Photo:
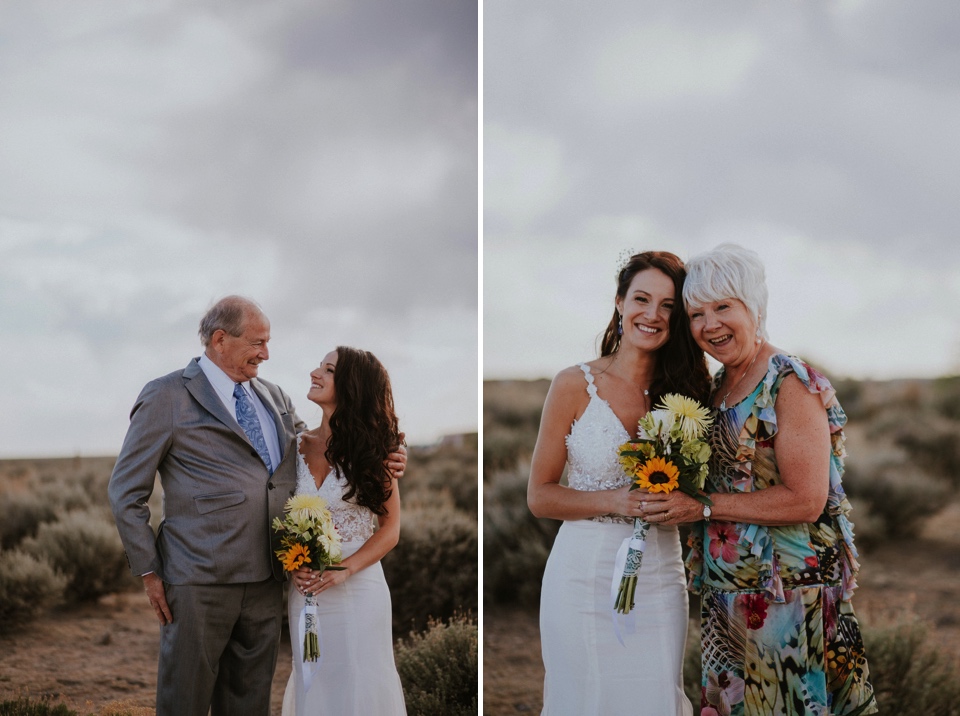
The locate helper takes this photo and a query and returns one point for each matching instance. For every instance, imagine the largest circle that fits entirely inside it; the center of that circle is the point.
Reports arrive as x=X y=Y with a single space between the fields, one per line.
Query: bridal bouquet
x=309 y=539
x=669 y=454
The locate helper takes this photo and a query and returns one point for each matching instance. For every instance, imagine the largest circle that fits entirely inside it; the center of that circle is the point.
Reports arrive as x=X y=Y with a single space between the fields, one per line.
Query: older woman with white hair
x=773 y=557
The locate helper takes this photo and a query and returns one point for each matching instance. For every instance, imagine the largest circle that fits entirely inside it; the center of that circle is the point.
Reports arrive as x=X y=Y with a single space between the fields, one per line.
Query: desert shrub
x=42 y=499
x=869 y=529
x=515 y=543
x=432 y=572
x=124 y=708
x=446 y=469
x=27 y=707
x=947 y=392
x=84 y=546
x=439 y=669
x=514 y=404
x=897 y=497
x=21 y=514
x=850 y=393
x=503 y=450
x=691 y=665
x=28 y=585
x=935 y=449
x=910 y=676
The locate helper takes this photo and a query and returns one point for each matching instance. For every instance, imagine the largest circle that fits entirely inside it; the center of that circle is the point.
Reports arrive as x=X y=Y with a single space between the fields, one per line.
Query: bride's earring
x=620 y=326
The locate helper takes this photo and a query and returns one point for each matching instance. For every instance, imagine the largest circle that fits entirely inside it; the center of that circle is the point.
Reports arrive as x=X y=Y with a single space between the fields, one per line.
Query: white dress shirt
x=223 y=385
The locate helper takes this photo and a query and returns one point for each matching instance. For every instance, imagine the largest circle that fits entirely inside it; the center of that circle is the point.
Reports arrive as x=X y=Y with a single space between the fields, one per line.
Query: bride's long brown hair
x=363 y=428
x=681 y=364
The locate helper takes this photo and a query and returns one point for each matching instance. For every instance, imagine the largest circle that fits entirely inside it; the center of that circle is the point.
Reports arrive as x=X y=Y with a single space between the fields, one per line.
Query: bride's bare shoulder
x=571 y=381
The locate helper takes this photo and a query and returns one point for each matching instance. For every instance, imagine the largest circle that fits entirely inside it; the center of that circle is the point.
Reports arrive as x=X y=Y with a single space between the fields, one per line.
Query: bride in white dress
x=343 y=462
x=646 y=352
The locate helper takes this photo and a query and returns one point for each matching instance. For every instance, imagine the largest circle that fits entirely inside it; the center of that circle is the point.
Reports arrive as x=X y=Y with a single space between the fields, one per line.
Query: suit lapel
x=199 y=387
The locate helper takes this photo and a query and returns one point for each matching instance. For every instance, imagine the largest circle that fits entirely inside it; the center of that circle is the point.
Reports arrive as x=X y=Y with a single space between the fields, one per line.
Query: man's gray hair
x=229 y=314
x=727 y=271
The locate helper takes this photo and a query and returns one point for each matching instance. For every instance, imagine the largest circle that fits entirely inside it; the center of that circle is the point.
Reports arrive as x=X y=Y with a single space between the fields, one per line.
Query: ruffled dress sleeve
x=761 y=423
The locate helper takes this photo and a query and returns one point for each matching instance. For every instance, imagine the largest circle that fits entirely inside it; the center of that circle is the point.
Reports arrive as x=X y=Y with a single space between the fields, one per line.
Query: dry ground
x=95 y=655
x=920 y=577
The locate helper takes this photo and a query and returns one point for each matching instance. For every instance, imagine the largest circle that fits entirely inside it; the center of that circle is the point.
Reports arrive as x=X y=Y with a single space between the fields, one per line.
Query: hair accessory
x=623 y=258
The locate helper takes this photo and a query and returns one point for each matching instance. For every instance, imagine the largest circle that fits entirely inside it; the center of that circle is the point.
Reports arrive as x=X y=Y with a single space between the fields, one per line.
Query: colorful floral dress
x=779 y=635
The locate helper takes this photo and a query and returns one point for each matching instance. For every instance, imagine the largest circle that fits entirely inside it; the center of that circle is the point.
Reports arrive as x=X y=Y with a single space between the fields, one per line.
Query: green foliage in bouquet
x=670 y=452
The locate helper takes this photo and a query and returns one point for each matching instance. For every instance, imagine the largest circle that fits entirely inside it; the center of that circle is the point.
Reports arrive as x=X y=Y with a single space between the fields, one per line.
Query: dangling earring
x=758 y=329
x=620 y=326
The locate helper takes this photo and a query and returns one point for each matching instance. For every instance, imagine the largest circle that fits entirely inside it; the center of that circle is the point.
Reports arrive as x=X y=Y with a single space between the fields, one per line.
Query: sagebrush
x=439 y=669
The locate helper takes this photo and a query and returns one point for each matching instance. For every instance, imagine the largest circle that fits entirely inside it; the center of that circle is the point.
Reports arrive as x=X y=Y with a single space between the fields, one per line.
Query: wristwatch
x=707 y=512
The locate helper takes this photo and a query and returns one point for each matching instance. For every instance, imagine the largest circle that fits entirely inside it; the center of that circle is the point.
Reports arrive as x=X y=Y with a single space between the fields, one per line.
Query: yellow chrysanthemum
x=305 y=502
x=295 y=557
x=658 y=475
x=304 y=507
x=694 y=418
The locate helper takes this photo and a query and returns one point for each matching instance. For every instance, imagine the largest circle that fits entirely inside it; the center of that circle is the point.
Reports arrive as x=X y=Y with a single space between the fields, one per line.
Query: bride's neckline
x=303 y=457
x=595 y=393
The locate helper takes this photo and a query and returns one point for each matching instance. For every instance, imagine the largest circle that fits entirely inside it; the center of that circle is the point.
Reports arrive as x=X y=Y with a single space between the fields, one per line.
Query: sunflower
x=694 y=418
x=658 y=475
x=295 y=557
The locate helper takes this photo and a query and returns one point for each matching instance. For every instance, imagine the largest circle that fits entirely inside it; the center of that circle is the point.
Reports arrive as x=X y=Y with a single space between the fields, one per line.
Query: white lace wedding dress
x=356 y=673
x=588 y=671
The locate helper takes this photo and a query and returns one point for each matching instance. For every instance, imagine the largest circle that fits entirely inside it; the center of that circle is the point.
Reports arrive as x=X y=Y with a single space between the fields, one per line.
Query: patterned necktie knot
x=247 y=417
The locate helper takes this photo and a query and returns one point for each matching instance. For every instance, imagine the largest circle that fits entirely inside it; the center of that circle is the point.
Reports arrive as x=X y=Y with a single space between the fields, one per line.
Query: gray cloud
x=821 y=134
x=321 y=158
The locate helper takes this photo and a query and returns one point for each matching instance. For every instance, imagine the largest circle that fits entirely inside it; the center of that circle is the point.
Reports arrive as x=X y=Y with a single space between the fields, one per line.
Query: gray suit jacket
x=219 y=499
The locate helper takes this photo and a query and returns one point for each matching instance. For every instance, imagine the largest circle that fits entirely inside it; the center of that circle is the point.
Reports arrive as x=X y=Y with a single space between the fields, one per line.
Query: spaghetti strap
x=591 y=388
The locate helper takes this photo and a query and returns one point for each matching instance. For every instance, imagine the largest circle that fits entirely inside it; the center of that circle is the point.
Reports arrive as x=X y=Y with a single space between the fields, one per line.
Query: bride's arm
x=373 y=550
x=546 y=497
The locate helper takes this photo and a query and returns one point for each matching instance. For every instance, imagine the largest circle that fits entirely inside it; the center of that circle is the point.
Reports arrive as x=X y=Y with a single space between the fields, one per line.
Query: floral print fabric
x=779 y=635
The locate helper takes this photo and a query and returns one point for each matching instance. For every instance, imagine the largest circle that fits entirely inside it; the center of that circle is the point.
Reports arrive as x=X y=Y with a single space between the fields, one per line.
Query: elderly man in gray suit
x=223 y=441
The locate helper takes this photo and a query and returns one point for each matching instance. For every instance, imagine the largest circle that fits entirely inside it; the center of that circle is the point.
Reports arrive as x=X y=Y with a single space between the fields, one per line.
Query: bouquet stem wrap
x=311 y=638
x=625 y=570
x=669 y=453
x=308 y=538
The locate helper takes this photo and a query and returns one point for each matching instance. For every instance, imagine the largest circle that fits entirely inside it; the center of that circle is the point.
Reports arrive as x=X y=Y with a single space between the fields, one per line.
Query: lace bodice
x=353 y=522
x=592 y=448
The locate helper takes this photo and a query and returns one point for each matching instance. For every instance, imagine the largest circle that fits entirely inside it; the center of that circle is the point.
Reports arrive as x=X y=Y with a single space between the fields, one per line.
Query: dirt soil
x=916 y=578
x=97 y=656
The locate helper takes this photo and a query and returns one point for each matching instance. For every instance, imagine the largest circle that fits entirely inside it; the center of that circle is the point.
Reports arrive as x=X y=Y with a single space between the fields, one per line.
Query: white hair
x=229 y=313
x=727 y=271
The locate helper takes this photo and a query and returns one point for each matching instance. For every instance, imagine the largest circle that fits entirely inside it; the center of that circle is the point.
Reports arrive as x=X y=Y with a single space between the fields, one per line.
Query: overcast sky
x=320 y=157
x=823 y=135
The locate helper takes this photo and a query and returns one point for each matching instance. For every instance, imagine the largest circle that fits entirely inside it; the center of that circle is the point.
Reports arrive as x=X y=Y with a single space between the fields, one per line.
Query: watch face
x=707 y=512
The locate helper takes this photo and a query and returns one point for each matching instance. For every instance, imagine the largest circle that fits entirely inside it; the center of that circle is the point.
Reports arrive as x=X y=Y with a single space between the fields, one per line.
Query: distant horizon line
x=446 y=438
x=830 y=375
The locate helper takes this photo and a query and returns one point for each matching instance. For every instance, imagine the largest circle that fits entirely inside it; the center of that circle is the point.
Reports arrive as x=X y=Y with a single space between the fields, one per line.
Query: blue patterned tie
x=247 y=417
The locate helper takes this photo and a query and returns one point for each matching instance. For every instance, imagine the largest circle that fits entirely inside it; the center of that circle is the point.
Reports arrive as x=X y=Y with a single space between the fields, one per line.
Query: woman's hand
x=627 y=502
x=674 y=508
x=397 y=460
x=304 y=579
x=310 y=582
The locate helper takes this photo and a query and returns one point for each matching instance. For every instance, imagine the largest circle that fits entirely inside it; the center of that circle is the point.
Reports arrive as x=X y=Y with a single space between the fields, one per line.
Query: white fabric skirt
x=357 y=673
x=588 y=671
